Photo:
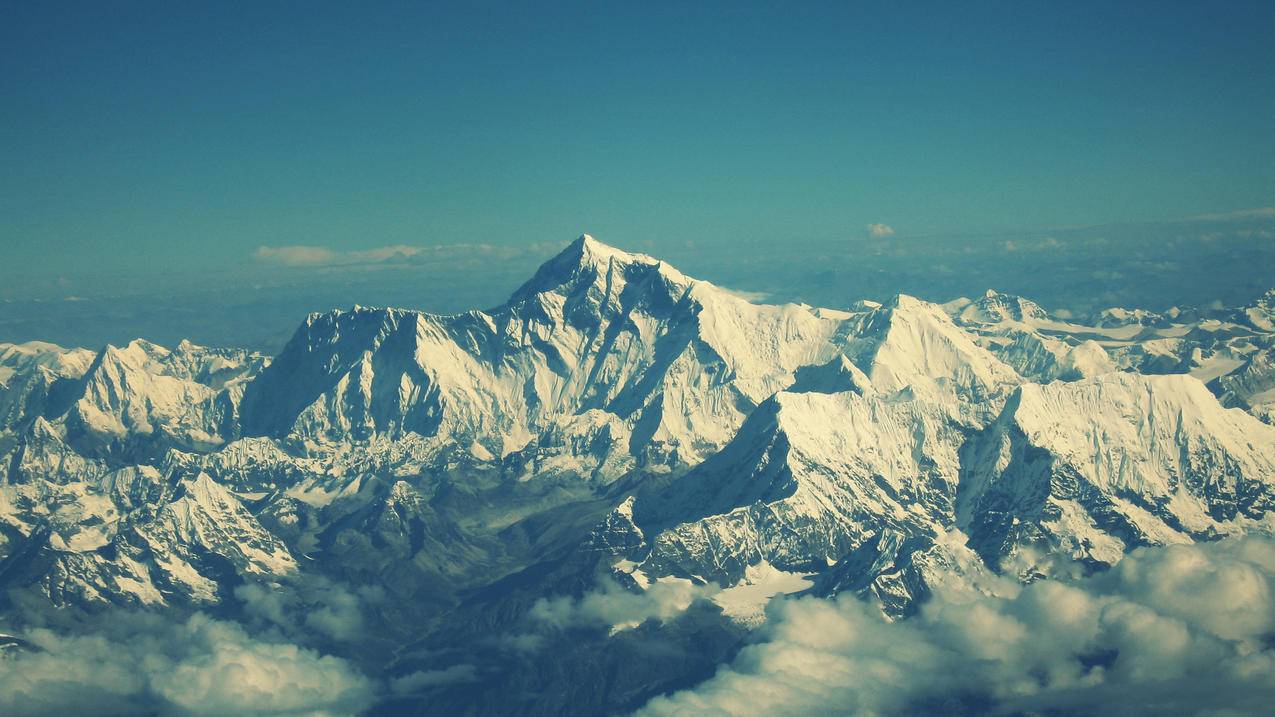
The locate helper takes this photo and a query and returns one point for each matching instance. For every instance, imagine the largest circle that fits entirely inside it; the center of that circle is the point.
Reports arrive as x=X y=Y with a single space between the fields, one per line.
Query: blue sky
x=168 y=136
x=272 y=158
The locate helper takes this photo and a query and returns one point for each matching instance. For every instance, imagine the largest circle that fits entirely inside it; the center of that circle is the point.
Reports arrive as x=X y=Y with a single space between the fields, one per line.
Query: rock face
x=617 y=418
x=1251 y=386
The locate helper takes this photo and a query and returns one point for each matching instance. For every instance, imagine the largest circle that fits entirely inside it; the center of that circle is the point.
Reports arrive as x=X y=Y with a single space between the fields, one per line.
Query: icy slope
x=35 y=377
x=901 y=494
x=911 y=343
x=1094 y=467
x=806 y=480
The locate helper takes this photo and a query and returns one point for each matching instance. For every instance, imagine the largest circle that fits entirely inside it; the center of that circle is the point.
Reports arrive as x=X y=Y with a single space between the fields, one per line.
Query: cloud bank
x=142 y=664
x=1178 y=630
x=311 y=256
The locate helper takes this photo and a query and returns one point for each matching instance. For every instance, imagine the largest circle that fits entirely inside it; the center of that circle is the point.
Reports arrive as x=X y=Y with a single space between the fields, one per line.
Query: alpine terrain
x=587 y=497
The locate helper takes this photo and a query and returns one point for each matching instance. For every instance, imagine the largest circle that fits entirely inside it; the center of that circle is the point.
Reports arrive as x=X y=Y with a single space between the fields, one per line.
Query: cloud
x=880 y=231
x=308 y=256
x=142 y=664
x=312 y=604
x=1243 y=214
x=1032 y=244
x=297 y=255
x=1174 y=630
x=425 y=680
x=752 y=297
x=302 y=255
x=230 y=674
x=620 y=608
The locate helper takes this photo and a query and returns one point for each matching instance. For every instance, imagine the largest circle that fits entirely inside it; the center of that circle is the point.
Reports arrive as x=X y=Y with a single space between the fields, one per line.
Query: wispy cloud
x=306 y=255
x=310 y=605
x=1243 y=214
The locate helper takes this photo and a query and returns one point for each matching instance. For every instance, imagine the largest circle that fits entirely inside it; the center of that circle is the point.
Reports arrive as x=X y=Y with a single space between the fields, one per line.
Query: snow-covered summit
x=994 y=307
x=587 y=260
x=595 y=328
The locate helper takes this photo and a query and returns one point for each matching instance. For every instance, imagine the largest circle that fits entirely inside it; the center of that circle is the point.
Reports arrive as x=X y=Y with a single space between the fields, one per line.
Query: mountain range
x=487 y=488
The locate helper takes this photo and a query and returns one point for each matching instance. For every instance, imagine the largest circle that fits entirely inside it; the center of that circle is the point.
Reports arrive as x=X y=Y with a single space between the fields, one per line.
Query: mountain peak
x=591 y=260
x=587 y=250
x=995 y=308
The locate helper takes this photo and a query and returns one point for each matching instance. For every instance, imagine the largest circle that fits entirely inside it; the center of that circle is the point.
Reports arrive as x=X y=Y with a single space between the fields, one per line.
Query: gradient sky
x=151 y=138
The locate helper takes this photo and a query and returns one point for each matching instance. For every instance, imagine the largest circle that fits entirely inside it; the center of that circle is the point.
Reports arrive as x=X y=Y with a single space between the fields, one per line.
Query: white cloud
x=230 y=674
x=619 y=608
x=303 y=256
x=752 y=297
x=878 y=230
x=297 y=255
x=140 y=664
x=309 y=605
x=1032 y=244
x=1171 y=630
x=1257 y=213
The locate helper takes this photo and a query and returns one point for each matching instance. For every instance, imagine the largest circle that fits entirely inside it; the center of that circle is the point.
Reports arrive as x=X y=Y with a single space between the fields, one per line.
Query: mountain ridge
x=618 y=428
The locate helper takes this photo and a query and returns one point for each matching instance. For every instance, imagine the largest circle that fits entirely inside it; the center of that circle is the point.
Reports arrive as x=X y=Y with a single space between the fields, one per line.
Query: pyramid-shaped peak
x=591 y=260
x=586 y=249
x=906 y=302
x=996 y=307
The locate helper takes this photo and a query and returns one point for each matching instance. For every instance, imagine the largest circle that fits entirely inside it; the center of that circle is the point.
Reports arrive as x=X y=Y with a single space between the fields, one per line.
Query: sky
x=165 y=146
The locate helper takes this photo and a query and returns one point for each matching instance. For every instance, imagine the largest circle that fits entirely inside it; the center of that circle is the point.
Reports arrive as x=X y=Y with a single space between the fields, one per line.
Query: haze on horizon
x=218 y=172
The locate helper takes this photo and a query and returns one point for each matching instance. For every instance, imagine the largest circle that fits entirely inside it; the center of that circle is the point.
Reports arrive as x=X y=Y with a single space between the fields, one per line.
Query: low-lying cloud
x=614 y=606
x=425 y=680
x=1178 y=630
x=309 y=606
x=144 y=664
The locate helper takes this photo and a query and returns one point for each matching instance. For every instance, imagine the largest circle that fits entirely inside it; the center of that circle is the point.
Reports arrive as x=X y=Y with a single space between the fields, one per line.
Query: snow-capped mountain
x=680 y=362
x=618 y=421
